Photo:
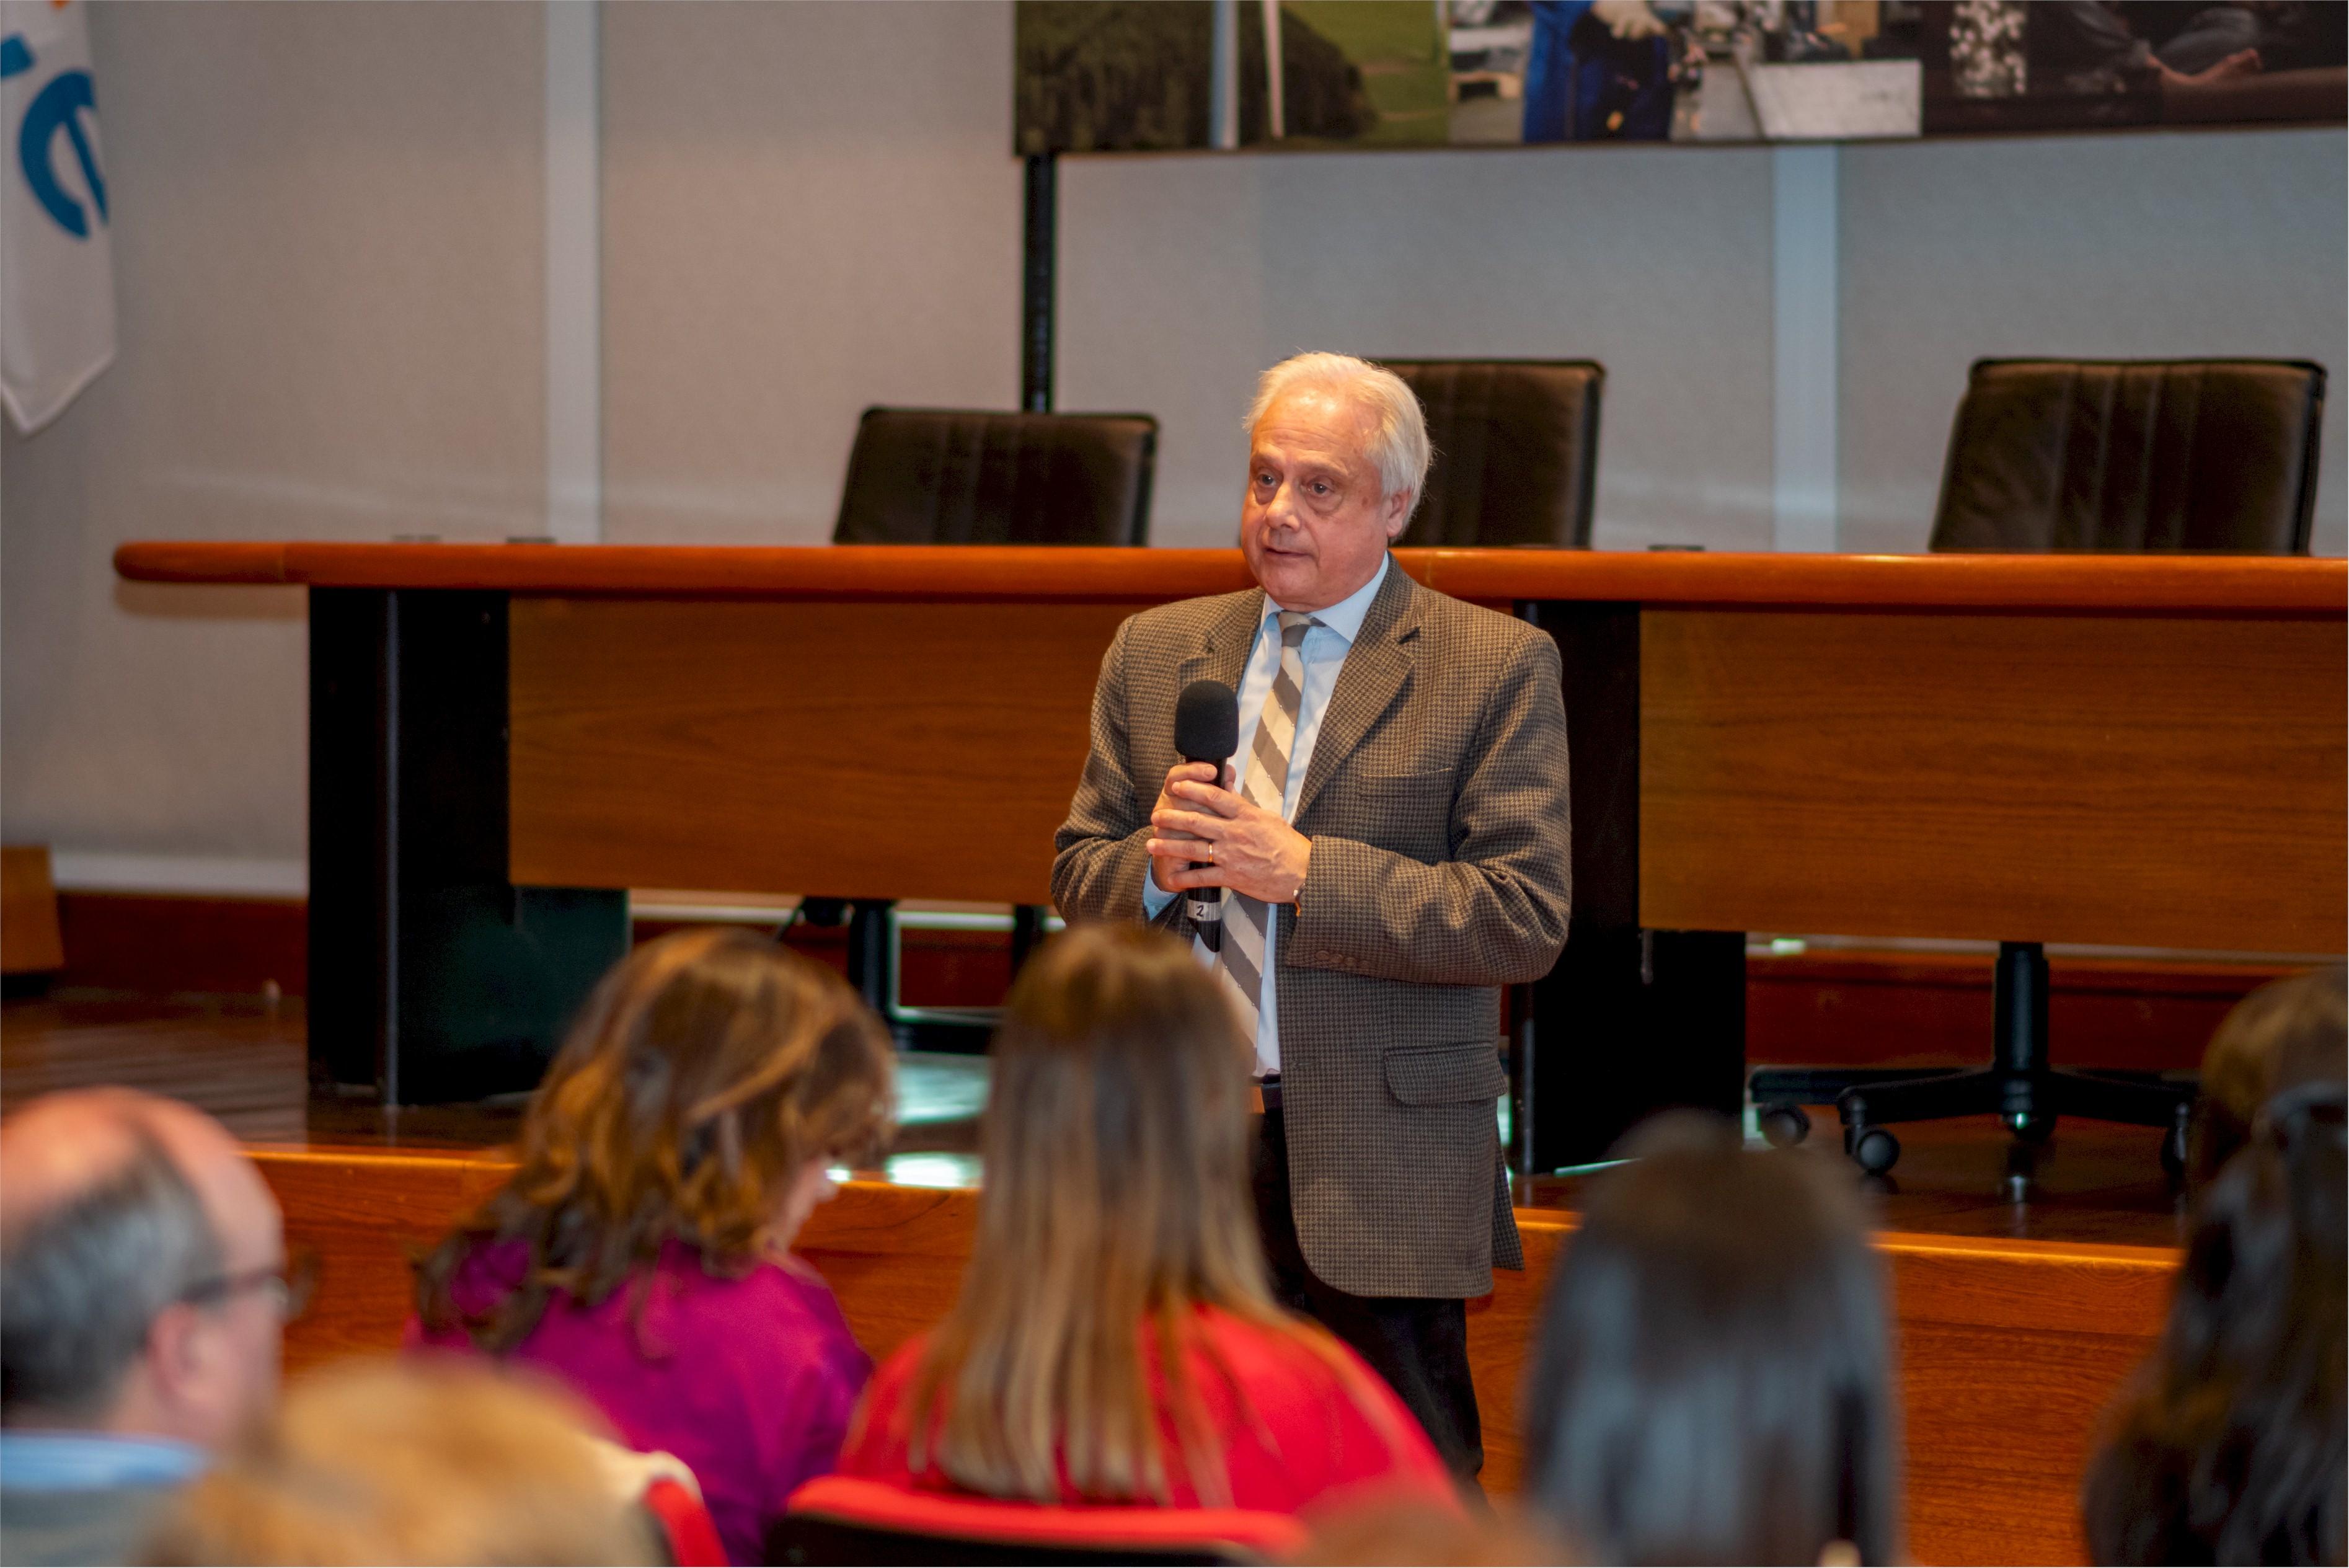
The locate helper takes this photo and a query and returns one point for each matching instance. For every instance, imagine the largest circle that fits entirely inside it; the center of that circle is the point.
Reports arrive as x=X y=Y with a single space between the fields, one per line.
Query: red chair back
x=843 y=1519
x=684 y=1525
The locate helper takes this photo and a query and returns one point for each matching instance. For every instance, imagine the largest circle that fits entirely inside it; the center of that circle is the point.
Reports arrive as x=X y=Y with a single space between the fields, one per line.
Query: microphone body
x=1208 y=729
x=1207 y=916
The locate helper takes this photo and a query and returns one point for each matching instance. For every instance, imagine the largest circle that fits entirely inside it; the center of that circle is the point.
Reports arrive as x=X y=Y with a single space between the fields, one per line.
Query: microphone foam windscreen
x=1208 y=720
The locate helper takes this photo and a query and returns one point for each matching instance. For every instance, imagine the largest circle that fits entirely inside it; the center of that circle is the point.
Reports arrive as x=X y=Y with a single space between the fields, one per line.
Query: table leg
x=1629 y=1021
x=432 y=978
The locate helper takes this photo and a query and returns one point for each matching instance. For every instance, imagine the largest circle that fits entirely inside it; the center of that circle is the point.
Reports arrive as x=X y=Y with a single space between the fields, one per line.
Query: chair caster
x=1783 y=1125
x=1875 y=1148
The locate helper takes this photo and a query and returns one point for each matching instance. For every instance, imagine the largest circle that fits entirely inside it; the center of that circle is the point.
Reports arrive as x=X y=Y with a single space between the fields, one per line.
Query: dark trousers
x=1419 y=1345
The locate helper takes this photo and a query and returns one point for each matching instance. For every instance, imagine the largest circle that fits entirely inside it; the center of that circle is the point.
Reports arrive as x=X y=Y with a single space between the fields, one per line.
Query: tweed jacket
x=1436 y=801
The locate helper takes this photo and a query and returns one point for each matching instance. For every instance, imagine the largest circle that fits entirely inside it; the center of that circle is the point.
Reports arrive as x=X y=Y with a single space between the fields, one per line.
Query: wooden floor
x=2018 y=1314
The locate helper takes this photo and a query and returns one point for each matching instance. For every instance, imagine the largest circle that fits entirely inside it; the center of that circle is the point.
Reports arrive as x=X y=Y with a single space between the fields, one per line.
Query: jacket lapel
x=1223 y=653
x=1369 y=681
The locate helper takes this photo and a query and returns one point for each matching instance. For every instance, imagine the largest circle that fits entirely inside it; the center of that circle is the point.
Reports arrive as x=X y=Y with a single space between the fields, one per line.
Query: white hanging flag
x=57 y=261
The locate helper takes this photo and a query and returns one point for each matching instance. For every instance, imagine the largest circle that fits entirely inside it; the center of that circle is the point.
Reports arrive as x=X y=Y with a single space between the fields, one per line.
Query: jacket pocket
x=1409 y=814
x=1446 y=1074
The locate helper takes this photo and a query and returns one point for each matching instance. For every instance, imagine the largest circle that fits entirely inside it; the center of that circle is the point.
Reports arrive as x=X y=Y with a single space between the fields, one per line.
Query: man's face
x=1314 y=527
x=224 y=1369
x=249 y=1326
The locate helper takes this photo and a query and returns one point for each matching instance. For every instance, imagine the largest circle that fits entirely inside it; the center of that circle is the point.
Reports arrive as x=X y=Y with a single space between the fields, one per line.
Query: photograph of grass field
x=1140 y=76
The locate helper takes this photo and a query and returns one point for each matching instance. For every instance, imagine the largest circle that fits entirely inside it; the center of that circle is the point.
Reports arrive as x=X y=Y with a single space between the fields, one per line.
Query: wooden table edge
x=2118 y=584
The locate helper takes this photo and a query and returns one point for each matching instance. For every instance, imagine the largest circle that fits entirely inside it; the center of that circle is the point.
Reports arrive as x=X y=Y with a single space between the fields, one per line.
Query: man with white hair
x=143 y=1297
x=1389 y=847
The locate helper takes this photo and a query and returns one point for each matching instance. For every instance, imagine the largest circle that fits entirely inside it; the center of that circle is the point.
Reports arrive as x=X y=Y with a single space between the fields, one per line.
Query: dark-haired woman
x=1115 y=1340
x=2232 y=1444
x=640 y=1252
x=1713 y=1381
x=2289 y=1031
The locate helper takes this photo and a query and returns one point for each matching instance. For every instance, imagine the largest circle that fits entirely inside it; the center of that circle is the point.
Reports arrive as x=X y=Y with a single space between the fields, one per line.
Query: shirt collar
x=1345 y=616
x=33 y=1460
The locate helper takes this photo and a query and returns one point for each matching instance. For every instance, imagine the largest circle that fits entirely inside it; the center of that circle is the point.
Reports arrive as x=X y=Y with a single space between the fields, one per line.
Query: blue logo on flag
x=56 y=108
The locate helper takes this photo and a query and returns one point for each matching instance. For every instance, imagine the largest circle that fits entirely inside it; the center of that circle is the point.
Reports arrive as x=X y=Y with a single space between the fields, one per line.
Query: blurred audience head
x=2232 y=1446
x=2288 y=1030
x=1371 y=1534
x=709 y=1085
x=1116 y=1148
x=1713 y=1381
x=420 y=1460
x=142 y=1271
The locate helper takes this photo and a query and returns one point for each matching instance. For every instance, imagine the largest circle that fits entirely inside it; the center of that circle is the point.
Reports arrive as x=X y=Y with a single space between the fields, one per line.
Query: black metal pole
x=1039 y=262
x=1026 y=932
x=1038 y=268
x=871 y=933
x=2019 y=992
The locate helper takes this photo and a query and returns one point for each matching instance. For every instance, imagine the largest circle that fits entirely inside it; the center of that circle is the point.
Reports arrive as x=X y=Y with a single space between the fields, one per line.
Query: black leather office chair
x=2086 y=455
x=2134 y=454
x=978 y=476
x=966 y=476
x=1516 y=450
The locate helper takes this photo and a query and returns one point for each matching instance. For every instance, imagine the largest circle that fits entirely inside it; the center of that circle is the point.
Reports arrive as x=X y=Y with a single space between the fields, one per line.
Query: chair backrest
x=1516 y=450
x=2133 y=454
x=968 y=476
x=665 y=1490
x=848 y=1519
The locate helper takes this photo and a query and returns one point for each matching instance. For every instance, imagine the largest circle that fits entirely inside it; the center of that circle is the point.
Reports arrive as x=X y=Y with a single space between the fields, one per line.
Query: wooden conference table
x=2136 y=751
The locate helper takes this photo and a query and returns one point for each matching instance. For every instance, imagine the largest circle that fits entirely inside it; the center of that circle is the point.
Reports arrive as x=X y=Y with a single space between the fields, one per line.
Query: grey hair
x=80 y=1284
x=1399 y=446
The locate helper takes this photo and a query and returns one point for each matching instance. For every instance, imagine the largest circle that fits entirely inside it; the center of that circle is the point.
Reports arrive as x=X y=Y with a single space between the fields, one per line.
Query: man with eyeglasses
x=143 y=1298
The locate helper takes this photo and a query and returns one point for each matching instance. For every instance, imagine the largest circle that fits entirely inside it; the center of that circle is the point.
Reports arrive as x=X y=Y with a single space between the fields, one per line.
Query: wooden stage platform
x=2017 y=1318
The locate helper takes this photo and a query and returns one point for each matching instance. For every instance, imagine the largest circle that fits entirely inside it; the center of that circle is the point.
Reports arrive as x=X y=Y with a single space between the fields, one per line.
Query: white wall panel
x=808 y=209
x=1183 y=276
x=2143 y=246
x=326 y=222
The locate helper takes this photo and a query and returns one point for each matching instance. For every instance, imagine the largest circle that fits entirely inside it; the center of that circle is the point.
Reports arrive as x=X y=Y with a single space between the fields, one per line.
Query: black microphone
x=1208 y=729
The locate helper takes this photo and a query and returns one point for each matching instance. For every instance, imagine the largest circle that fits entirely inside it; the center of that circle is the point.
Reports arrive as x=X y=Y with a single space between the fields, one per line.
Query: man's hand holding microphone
x=1207 y=836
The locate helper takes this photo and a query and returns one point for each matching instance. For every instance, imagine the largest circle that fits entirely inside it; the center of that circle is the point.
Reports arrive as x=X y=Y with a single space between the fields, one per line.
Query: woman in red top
x=1115 y=1342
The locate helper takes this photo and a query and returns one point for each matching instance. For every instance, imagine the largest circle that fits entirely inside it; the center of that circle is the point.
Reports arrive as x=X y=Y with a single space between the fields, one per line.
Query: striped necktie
x=1239 y=961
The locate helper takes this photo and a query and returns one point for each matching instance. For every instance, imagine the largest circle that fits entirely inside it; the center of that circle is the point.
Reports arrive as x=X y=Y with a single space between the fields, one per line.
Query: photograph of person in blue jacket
x=1599 y=70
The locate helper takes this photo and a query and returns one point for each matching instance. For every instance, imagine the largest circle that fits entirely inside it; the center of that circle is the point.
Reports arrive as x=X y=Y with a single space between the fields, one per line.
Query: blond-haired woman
x=1115 y=1340
x=640 y=1253
x=378 y=1461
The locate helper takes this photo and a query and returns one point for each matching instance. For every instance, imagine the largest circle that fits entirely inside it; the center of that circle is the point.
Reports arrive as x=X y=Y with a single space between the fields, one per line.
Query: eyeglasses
x=288 y=1284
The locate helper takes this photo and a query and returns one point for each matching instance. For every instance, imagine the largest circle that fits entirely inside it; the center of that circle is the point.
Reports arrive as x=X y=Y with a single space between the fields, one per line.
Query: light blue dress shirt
x=1323 y=655
x=36 y=1460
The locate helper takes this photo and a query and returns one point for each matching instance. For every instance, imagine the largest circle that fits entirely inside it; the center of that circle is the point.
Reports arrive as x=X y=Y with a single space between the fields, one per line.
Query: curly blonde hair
x=706 y=1070
x=410 y=1461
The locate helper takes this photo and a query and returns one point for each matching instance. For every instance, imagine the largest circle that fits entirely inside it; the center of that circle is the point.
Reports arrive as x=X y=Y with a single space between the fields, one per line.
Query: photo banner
x=1158 y=76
